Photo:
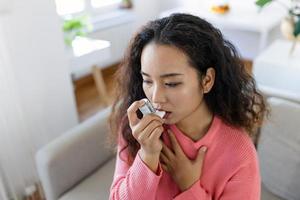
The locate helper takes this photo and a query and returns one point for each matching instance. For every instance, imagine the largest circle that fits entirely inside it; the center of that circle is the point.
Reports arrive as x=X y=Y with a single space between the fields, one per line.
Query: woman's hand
x=147 y=132
x=185 y=172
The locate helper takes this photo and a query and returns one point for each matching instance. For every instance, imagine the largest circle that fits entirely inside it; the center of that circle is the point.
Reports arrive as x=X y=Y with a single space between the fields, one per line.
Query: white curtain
x=13 y=128
x=3 y=192
x=3 y=187
x=36 y=96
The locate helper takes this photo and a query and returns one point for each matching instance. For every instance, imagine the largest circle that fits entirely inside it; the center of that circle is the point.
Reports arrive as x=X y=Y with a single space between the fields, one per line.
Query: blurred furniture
x=279 y=147
x=5 y=6
x=3 y=190
x=277 y=70
x=78 y=165
x=249 y=29
x=277 y=74
x=267 y=195
x=85 y=56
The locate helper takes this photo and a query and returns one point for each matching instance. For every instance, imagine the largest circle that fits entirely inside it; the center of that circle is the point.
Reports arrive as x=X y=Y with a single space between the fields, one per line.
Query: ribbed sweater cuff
x=142 y=181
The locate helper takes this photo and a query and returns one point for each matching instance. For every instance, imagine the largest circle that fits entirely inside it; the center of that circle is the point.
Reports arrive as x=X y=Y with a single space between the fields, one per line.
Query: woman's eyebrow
x=163 y=75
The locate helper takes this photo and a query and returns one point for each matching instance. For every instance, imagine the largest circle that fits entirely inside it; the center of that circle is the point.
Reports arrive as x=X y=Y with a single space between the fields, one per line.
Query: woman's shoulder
x=236 y=140
x=233 y=132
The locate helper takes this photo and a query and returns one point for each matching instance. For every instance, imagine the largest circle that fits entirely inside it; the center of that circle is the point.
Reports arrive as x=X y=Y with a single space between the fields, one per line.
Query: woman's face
x=169 y=82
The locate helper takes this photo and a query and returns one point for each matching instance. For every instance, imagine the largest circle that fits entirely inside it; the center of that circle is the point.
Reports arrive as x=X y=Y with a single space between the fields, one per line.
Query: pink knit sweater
x=230 y=170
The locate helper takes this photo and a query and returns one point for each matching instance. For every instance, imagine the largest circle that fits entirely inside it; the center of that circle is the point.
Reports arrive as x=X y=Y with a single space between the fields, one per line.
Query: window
x=71 y=7
x=103 y=3
x=66 y=7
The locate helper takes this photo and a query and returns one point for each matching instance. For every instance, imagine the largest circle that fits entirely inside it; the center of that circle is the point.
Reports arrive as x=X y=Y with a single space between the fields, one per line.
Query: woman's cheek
x=146 y=91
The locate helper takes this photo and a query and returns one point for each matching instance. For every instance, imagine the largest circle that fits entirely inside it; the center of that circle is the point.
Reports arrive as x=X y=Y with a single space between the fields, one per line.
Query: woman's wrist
x=151 y=160
x=185 y=186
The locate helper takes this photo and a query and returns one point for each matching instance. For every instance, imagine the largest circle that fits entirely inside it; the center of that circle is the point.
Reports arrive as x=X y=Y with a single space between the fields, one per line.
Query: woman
x=201 y=148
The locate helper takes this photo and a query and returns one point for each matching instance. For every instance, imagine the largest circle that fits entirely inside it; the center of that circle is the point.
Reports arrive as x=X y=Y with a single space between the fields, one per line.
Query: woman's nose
x=158 y=95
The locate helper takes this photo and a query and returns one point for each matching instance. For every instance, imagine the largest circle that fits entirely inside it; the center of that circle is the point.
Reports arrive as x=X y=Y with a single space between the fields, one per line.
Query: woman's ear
x=208 y=80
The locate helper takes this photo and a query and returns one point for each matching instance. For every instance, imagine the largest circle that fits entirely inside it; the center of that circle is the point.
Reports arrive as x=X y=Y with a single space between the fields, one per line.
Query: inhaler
x=148 y=108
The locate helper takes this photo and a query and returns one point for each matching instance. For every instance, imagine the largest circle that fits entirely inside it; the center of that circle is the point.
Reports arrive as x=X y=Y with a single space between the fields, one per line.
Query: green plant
x=126 y=4
x=76 y=26
x=293 y=10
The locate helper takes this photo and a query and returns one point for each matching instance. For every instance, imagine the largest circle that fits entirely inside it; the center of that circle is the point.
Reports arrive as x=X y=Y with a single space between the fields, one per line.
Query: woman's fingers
x=134 y=120
x=145 y=121
x=156 y=133
x=150 y=130
x=131 y=112
x=175 y=145
x=167 y=152
x=163 y=158
x=147 y=130
x=164 y=167
x=201 y=155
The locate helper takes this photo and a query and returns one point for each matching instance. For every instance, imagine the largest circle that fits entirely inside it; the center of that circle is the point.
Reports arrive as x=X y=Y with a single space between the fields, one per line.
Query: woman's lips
x=167 y=115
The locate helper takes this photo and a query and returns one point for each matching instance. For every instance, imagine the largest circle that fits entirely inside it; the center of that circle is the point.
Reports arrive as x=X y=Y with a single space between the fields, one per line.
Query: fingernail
x=142 y=103
x=204 y=149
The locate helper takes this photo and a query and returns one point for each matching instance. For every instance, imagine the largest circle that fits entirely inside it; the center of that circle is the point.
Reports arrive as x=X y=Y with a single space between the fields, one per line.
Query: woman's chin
x=169 y=121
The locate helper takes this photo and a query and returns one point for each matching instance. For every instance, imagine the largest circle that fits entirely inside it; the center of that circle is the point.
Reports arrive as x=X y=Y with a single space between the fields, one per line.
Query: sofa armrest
x=73 y=156
x=279 y=93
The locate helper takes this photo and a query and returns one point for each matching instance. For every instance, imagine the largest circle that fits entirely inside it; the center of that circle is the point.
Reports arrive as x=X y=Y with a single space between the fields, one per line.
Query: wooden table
x=249 y=30
x=85 y=56
x=278 y=72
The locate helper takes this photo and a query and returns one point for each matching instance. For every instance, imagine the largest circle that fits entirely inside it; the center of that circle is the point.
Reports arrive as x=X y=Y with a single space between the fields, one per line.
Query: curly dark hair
x=233 y=97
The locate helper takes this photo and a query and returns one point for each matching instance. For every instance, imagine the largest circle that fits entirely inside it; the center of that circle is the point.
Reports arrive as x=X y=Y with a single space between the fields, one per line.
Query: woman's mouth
x=166 y=116
x=166 y=113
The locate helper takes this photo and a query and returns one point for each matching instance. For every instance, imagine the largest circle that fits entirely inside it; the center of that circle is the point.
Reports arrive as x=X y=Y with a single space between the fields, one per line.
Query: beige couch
x=78 y=165
x=279 y=145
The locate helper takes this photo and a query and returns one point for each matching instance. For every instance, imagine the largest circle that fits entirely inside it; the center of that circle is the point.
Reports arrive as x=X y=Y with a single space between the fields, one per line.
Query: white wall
x=37 y=101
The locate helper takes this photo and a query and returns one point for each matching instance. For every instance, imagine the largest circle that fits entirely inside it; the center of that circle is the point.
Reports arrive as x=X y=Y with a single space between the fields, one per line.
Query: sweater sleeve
x=134 y=182
x=244 y=184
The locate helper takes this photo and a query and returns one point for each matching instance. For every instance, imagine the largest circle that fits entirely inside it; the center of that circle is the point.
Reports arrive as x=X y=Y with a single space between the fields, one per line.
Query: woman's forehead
x=162 y=59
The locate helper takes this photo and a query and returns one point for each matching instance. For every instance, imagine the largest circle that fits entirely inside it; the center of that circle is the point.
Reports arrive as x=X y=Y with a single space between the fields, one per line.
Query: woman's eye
x=147 y=82
x=172 y=84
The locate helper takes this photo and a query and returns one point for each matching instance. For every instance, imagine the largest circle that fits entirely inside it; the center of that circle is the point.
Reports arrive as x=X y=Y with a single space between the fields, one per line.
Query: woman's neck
x=196 y=125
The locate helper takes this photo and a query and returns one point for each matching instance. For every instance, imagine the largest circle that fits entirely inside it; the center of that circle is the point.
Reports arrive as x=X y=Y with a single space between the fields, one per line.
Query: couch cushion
x=94 y=187
x=74 y=155
x=279 y=149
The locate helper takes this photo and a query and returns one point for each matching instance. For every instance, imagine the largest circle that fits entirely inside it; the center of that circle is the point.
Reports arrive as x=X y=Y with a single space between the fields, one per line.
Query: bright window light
x=65 y=7
x=102 y=3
